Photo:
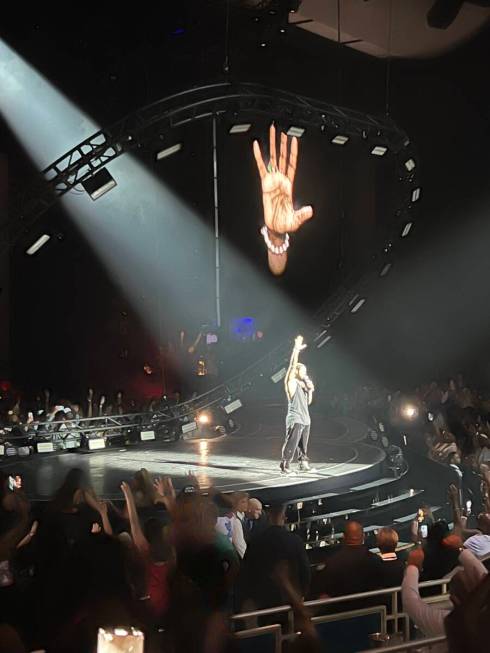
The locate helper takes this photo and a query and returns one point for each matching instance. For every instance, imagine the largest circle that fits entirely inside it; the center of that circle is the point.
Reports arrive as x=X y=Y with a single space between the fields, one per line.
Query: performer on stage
x=299 y=391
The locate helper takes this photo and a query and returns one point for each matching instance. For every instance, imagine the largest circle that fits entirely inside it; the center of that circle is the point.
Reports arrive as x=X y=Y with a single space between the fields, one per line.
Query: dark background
x=70 y=322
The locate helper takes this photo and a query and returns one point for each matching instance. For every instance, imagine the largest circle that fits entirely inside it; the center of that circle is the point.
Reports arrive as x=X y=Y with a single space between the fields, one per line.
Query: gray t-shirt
x=298 y=412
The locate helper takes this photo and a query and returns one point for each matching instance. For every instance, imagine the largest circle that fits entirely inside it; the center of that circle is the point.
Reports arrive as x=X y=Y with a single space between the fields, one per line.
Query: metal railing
x=396 y=619
x=425 y=644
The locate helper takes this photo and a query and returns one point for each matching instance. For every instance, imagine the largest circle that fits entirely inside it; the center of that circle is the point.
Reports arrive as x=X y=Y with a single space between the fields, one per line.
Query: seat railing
x=396 y=620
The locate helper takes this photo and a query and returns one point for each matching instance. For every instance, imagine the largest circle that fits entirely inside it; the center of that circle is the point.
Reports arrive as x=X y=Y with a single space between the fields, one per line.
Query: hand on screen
x=277 y=181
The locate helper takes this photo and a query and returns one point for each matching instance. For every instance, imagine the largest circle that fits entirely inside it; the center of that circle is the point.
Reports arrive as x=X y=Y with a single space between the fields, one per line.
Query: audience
x=178 y=578
x=428 y=618
x=255 y=521
x=352 y=569
x=275 y=545
x=392 y=570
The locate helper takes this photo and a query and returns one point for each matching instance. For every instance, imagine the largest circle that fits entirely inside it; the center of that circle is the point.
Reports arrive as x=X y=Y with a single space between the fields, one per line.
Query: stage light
x=204 y=418
x=189 y=427
x=232 y=406
x=409 y=411
x=358 y=305
x=406 y=229
x=44 y=447
x=410 y=165
x=38 y=244
x=295 y=131
x=240 y=129
x=385 y=269
x=415 y=194
x=168 y=151
x=263 y=44
x=339 y=139
x=279 y=375
x=99 y=184
x=96 y=443
x=324 y=341
x=379 y=150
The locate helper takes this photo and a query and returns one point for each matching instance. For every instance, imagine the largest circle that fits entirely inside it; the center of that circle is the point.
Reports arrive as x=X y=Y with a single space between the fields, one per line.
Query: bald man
x=255 y=521
x=352 y=568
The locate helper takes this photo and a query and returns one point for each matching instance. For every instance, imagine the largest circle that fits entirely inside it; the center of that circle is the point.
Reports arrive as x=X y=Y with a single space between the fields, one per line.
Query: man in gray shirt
x=299 y=391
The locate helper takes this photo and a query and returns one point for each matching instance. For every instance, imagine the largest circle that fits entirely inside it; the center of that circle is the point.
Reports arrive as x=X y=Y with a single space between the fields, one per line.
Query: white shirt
x=233 y=529
x=479 y=545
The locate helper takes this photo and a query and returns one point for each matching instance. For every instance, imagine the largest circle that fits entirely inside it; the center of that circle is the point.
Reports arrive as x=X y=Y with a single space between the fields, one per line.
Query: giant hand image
x=280 y=216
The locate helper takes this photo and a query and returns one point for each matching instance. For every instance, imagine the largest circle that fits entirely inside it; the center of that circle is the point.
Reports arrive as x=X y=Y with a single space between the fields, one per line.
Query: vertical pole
x=216 y=228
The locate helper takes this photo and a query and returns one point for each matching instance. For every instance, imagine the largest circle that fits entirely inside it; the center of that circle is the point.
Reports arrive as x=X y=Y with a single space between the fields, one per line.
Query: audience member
x=351 y=569
x=255 y=521
x=392 y=570
x=274 y=545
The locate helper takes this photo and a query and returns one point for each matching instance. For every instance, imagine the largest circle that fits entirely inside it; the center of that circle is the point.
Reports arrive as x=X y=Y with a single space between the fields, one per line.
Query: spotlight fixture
x=324 y=341
x=99 y=184
x=339 y=139
x=358 y=305
x=295 y=131
x=416 y=194
x=232 y=406
x=279 y=375
x=203 y=419
x=410 y=164
x=168 y=151
x=189 y=427
x=409 y=411
x=385 y=269
x=240 y=128
x=44 y=447
x=38 y=244
x=406 y=229
x=379 y=150
x=96 y=443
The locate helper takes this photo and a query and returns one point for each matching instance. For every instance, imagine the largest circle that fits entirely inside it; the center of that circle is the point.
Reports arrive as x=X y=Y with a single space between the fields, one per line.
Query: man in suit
x=255 y=521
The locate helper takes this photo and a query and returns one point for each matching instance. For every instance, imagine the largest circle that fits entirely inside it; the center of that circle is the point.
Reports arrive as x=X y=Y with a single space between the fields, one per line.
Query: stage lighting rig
x=99 y=184
x=168 y=151
x=340 y=139
x=36 y=246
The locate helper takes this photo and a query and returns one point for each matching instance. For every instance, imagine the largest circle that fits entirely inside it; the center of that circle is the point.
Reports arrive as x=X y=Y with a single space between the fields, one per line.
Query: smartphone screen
x=423 y=530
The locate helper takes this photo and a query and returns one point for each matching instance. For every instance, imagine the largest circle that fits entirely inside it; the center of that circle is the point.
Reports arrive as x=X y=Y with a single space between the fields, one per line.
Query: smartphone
x=424 y=529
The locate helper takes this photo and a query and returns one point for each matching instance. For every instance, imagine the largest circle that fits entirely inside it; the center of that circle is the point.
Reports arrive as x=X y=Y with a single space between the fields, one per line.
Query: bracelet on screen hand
x=275 y=249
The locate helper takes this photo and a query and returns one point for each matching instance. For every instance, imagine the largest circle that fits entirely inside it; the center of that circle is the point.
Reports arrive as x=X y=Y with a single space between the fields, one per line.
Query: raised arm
x=290 y=380
x=137 y=534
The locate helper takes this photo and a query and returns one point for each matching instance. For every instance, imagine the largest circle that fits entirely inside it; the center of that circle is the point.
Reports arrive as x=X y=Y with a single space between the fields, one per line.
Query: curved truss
x=233 y=102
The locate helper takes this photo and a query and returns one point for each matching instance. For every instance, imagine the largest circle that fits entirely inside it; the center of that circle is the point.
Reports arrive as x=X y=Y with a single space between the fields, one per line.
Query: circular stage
x=247 y=460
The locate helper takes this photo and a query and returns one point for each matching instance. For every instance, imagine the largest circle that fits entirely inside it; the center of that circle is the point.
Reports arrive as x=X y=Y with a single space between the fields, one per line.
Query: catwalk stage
x=246 y=460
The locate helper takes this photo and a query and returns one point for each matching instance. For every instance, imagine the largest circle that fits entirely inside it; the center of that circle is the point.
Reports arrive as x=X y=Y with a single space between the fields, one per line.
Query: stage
x=246 y=460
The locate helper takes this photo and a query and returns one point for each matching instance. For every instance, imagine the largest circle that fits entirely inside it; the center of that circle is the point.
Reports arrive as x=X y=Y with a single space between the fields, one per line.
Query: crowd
x=449 y=420
x=176 y=565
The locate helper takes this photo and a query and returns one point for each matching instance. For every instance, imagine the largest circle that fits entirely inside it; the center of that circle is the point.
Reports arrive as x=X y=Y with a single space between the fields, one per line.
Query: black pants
x=297 y=437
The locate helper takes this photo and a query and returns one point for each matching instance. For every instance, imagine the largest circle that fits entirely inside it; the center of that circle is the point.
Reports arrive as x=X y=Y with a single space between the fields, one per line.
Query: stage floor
x=247 y=460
